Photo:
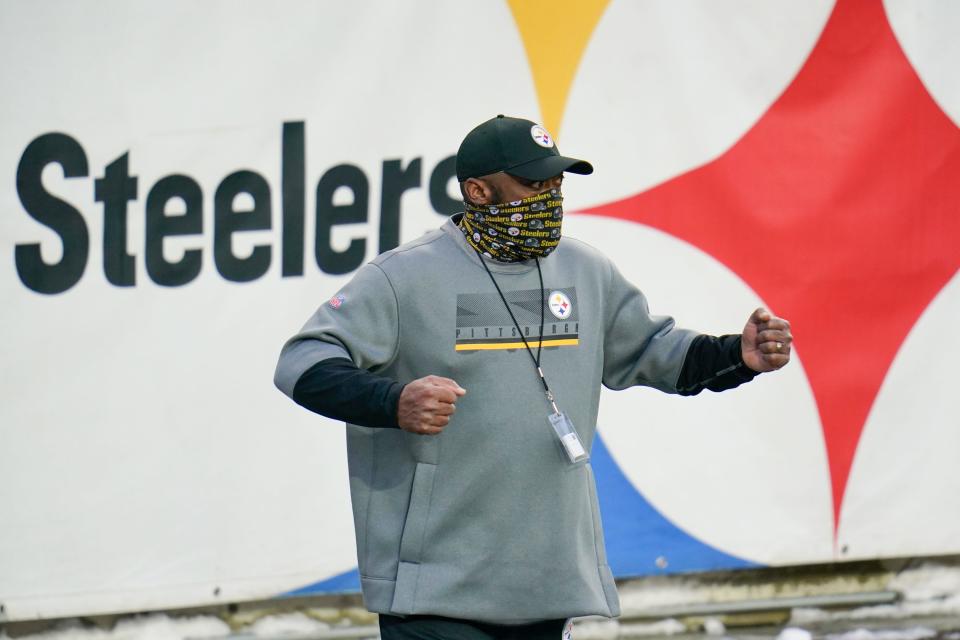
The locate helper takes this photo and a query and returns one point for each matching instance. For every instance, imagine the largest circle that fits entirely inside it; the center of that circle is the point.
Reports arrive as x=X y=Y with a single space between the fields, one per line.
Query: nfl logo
x=337 y=300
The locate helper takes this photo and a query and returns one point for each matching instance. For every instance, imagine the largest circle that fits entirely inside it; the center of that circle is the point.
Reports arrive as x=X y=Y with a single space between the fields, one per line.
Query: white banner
x=184 y=183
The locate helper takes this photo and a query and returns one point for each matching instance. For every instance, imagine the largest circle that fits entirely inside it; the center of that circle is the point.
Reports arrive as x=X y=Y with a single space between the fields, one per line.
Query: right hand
x=426 y=404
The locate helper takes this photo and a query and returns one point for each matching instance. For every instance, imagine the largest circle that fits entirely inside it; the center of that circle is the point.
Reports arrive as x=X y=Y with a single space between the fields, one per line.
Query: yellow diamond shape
x=555 y=34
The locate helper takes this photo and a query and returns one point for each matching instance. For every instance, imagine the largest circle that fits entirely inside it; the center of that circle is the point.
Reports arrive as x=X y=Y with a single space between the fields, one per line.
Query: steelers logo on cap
x=540 y=136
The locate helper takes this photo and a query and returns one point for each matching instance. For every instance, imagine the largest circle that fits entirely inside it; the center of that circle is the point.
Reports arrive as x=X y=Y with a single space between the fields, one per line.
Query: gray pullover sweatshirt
x=488 y=520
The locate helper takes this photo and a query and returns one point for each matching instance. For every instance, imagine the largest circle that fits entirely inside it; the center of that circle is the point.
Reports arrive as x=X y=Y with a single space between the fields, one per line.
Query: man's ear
x=477 y=191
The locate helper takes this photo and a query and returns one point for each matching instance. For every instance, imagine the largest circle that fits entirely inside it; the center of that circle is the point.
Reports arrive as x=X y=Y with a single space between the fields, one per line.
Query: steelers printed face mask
x=515 y=231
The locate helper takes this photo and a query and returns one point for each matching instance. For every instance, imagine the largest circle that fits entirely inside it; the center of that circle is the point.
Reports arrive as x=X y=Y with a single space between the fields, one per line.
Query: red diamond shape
x=840 y=207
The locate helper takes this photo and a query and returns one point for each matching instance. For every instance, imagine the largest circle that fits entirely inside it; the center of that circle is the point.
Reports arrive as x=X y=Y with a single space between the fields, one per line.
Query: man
x=468 y=366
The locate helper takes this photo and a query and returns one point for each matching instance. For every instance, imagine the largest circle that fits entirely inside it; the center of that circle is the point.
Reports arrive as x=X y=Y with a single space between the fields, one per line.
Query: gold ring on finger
x=779 y=346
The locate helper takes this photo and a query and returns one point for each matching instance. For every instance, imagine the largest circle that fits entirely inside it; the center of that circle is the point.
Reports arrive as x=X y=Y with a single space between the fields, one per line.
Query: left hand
x=765 y=342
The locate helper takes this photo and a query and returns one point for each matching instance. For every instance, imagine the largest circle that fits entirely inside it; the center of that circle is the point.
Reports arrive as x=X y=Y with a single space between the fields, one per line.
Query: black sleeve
x=714 y=363
x=338 y=389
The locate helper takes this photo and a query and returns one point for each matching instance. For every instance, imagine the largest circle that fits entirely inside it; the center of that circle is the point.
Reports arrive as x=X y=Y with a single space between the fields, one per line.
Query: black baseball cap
x=516 y=146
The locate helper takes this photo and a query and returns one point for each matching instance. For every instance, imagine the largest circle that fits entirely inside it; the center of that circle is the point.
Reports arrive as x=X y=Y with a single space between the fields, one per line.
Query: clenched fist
x=765 y=342
x=426 y=404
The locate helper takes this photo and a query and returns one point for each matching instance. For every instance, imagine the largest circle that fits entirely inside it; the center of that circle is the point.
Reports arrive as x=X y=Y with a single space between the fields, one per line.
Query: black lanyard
x=536 y=359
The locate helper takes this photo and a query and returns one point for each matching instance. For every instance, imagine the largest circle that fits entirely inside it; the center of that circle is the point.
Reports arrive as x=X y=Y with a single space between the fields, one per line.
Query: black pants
x=438 y=628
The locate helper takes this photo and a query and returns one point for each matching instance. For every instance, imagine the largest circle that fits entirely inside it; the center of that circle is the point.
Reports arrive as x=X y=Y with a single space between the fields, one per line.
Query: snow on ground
x=912 y=633
x=930 y=592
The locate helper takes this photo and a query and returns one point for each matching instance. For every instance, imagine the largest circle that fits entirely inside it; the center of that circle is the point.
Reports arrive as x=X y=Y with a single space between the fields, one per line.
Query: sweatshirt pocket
x=595 y=514
x=415 y=523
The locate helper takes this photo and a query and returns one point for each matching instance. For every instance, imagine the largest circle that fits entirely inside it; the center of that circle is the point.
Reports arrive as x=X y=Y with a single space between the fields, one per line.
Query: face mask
x=515 y=231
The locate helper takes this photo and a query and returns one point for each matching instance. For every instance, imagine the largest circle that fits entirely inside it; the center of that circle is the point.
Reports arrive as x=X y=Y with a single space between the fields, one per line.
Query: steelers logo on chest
x=560 y=305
